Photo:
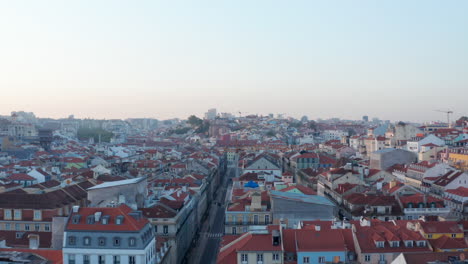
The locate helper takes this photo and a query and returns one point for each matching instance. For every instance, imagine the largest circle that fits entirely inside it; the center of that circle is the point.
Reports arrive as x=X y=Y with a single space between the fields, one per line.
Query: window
x=395 y=243
x=234 y=230
x=409 y=243
x=165 y=229
x=7 y=214
x=87 y=241
x=102 y=241
x=132 y=241
x=421 y=243
x=17 y=214
x=244 y=229
x=101 y=259
x=382 y=257
x=366 y=257
x=429 y=236
x=19 y=234
x=47 y=227
x=306 y=260
x=255 y=219
x=72 y=240
x=380 y=244
x=259 y=257
x=275 y=256
x=71 y=259
x=155 y=228
x=116 y=241
x=244 y=257
x=86 y=259
x=116 y=259
x=26 y=227
x=37 y=215
x=454 y=235
x=321 y=259
x=7 y=226
x=131 y=260
x=17 y=227
x=267 y=219
x=37 y=227
x=90 y=220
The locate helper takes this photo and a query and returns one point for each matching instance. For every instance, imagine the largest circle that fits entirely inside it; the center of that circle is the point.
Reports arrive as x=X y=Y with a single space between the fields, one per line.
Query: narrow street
x=212 y=229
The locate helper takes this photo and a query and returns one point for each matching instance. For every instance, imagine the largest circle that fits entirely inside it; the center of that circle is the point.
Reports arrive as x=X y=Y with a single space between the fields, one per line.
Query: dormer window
x=105 y=220
x=380 y=244
x=76 y=219
x=116 y=241
x=119 y=220
x=395 y=243
x=409 y=243
x=421 y=243
x=90 y=219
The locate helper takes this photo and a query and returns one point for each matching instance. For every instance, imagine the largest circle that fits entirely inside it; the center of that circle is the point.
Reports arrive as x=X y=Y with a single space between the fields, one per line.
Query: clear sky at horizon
x=396 y=60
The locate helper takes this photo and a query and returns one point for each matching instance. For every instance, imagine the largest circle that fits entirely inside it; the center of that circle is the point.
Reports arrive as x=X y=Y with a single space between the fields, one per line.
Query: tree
x=96 y=133
x=271 y=133
x=194 y=121
x=203 y=128
x=312 y=124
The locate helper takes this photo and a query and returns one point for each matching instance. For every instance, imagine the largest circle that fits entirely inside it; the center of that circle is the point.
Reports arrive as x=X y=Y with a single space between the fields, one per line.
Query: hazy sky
x=397 y=60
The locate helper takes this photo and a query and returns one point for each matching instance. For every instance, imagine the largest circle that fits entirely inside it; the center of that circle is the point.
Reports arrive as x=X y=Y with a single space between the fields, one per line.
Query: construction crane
x=448 y=112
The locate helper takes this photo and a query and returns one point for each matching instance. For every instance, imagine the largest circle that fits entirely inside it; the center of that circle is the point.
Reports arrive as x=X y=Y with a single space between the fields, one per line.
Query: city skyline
x=115 y=59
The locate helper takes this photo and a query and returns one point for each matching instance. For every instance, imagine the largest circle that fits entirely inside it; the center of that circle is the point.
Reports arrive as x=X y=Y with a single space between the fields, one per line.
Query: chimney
x=97 y=216
x=391 y=184
x=76 y=208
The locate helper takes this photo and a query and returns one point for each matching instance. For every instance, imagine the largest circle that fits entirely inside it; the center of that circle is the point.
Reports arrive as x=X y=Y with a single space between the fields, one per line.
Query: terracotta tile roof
x=448 y=178
x=54 y=256
x=445 y=243
x=21 y=177
x=301 y=188
x=159 y=211
x=444 y=227
x=387 y=231
x=460 y=191
x=129 y=223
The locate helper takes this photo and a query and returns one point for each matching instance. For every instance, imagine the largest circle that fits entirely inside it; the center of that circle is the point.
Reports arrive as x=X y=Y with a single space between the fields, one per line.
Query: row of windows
x=25 y=227
x=336 y=259
x=245 y=257
x=165 y=229
x=408 y=243
x=17 y=213
x=101 y=259
x=116 y=241
x=245 y=219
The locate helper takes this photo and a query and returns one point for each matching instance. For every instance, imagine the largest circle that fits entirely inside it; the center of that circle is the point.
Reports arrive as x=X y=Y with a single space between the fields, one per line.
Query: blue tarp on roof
x=251 y=184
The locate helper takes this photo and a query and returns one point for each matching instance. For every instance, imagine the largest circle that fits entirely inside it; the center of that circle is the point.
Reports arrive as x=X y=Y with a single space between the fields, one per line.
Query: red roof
x=303 y=189
x=387 y=231
x=323 y=240
x=129 y=223
x=246 y=242
x=444 y=227
x=444 y=242
x=460 y=191
x=21 y=177
x=55 y=256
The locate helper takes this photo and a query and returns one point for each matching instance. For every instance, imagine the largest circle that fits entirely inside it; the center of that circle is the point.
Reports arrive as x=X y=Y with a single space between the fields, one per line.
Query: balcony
x=248 y=223
x=426 y=210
